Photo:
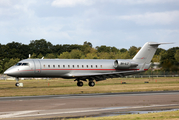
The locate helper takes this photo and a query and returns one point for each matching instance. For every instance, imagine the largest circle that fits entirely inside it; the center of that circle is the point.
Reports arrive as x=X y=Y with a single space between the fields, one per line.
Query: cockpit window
x=25 y=64
x=18 y=64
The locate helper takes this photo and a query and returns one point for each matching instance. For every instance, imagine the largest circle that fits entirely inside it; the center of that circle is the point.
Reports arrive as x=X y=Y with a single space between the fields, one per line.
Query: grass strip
x=172 y=115
x=68 y=86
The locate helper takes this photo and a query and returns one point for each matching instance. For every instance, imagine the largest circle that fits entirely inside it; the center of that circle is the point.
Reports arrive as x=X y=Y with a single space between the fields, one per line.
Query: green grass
x=173 y=115
x=68 y=86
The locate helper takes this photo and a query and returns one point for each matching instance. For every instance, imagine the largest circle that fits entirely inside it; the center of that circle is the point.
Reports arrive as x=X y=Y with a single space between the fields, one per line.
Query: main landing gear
x=80 y=83
x=91 y=84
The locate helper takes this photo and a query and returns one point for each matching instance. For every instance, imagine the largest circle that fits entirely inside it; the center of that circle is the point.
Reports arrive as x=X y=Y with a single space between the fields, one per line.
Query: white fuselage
x=65 y=68
x=82 y=69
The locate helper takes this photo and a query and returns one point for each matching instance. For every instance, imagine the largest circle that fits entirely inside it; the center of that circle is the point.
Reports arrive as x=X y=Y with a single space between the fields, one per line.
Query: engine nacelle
x=124 y=64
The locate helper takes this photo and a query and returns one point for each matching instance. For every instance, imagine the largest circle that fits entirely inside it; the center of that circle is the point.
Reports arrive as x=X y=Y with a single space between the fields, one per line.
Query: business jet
x=84 y=69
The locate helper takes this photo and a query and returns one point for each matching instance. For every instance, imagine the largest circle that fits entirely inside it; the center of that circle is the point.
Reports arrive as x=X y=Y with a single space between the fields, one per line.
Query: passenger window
x=96 y=66
x=73 y=66
x=59 y=66
x=68 y=66
x=44 y=66
x=82 y=66
x=64 y=66
x=48 y=65
x=101 y=66
x=87 y=66
x=91 y=66
x=78 y=66
x=53 y=65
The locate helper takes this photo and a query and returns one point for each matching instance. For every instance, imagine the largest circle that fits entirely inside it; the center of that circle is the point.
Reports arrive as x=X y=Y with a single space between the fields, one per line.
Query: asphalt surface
x=80 y=105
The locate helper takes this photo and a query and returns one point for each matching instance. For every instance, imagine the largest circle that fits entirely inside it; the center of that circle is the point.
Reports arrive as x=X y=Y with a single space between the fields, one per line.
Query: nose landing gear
x=17 y=84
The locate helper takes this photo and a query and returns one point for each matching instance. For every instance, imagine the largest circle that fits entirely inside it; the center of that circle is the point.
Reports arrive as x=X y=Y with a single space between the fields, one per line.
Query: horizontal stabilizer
x=153 y=43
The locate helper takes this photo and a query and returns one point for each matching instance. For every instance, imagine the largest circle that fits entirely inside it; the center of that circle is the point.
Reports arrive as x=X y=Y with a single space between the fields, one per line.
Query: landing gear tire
x=17 y=84
x=79 y=84
x=91 y=84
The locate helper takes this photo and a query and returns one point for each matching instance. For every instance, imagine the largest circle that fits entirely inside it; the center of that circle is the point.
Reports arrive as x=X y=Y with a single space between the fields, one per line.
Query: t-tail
x=146 y=53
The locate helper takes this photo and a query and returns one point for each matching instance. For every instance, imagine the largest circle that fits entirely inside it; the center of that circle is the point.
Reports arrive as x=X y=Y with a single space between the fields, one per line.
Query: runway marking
x=13 y=114
x=34 y=113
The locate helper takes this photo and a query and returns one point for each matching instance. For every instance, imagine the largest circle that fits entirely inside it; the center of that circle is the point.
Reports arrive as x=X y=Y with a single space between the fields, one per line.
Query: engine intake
x=124 y=64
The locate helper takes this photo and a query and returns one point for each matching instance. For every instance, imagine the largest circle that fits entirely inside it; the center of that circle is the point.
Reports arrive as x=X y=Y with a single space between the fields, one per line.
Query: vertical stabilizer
x=146 y=53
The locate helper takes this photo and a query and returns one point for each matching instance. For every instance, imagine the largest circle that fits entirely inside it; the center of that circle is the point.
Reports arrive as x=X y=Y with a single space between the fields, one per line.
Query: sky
x=118 y=23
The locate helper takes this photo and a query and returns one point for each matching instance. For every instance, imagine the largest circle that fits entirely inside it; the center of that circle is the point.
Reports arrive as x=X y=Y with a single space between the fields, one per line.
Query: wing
x=102 y=76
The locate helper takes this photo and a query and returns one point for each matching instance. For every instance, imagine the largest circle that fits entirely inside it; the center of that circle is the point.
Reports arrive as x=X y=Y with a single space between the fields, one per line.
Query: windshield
x=18 y=64
x=23 y=64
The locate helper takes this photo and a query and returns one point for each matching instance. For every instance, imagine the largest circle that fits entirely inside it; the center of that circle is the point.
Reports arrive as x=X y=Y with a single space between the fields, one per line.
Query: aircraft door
x=37 y=66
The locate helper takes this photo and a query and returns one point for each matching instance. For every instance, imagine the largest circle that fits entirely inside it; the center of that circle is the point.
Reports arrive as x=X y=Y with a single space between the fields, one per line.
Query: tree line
x=13 y=52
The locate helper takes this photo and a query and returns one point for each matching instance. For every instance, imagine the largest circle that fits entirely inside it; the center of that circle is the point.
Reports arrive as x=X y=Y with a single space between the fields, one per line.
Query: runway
x=64 y=106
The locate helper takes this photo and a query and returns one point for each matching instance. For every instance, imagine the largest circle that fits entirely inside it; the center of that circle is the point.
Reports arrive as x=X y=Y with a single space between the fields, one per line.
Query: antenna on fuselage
x=42 y=57
x=29 y=55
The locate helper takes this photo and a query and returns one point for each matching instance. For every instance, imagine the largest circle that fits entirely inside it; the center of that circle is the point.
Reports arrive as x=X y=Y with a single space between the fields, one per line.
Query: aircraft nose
x=7 y=72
